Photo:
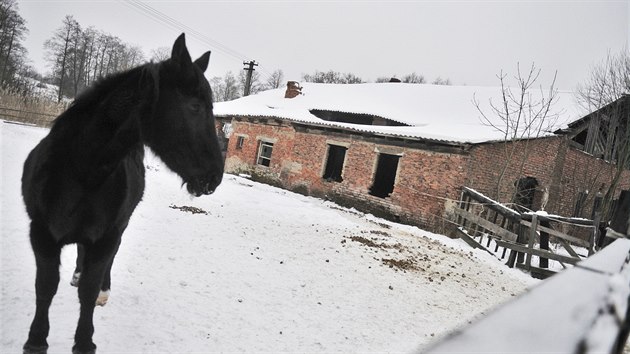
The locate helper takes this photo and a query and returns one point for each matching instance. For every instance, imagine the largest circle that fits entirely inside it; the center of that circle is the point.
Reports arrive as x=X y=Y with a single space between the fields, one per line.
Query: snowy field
x=259 y=270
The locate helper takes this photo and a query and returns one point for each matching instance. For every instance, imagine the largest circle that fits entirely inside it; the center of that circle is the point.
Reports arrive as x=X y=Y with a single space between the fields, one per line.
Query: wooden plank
x=471 y=241
x=569 y=249
x=492 y=204
x=496 y=229
x=537 y=272
x=559 y=234
x=575 y=221
x=537 y=252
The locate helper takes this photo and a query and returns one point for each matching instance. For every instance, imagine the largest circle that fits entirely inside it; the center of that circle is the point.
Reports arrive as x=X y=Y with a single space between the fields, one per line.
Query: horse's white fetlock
x=102 y=298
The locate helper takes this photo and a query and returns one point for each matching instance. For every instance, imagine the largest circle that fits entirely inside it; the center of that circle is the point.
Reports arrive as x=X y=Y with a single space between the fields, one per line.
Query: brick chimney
x=293 y=89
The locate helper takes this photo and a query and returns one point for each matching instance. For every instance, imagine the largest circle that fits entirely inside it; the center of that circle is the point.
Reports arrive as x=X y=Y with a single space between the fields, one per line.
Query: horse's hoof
x=102 y=298
x=90 y=350
x=34 y=349
x=75 y=279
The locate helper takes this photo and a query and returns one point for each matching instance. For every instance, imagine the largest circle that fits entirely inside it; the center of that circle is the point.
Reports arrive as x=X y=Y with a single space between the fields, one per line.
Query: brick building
x=404 y=151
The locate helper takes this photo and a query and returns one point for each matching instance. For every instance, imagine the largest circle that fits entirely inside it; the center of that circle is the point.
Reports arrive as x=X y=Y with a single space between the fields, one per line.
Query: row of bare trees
x=336 y=77
x=230 y=86
x=78 y=56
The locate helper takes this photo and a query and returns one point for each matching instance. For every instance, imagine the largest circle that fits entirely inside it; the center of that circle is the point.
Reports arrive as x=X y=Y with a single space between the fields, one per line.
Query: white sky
x=466 y=41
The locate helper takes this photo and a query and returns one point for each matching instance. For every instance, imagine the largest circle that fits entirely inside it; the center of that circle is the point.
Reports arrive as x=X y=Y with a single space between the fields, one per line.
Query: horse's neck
x=103 y=127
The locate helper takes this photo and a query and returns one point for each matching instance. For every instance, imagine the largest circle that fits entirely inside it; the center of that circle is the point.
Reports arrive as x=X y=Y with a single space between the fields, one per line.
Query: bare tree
x=275 y=80
x=605 y=94
x=414 y=78
x=523 y=113
x=12 y=54
x=160 y=54
x=225 y=88
x=440 y=81
x=58 y=51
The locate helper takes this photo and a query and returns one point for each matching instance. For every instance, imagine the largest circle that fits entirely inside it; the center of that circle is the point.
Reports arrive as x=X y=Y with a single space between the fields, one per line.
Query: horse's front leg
x=98 y=258
x=47 y=254
x=103 y=295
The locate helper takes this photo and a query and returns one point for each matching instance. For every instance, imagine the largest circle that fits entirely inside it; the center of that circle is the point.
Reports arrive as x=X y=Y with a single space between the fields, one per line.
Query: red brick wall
x=427 y=183
x=534 y=158
x=583 y=171
x=424 y=179
x=563 y=169
x=244 y=159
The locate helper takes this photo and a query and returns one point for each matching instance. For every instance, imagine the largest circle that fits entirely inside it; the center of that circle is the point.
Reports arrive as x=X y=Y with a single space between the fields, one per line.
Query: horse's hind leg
x=76 y=275
x=103 y=295
x=98 y=258
x=47 y=254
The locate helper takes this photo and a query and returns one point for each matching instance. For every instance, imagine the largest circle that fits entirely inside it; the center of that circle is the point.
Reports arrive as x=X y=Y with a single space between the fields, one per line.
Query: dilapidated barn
x=404 y=151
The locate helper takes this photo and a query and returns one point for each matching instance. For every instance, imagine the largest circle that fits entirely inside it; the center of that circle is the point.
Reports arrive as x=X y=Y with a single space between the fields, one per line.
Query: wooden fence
x=27 y=116
x=496 y=228
x=584 y=309
x=581 y=310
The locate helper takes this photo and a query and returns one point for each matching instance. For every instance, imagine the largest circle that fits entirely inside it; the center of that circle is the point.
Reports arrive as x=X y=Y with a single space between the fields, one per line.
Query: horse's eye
x=195 y=107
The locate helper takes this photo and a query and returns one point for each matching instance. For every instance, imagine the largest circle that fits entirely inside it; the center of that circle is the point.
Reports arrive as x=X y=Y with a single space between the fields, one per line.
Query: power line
x=164 y=19
x=160 y=17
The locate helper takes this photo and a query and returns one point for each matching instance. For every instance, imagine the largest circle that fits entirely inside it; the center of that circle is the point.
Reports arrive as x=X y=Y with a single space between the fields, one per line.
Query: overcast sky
x=468 y=42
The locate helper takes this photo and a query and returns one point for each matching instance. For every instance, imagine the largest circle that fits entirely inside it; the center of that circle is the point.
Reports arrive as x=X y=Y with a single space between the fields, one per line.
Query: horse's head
x=182 y=129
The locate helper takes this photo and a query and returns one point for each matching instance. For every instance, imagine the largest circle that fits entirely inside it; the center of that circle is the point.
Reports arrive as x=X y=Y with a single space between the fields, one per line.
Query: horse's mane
x=84 y=108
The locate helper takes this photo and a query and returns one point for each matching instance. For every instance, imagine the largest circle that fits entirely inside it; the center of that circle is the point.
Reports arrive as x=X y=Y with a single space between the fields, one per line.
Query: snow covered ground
x=256 y=269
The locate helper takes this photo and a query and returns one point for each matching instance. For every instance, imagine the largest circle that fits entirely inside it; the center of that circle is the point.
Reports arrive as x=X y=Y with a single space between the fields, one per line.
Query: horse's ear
x=180 y=54
x=202 y=62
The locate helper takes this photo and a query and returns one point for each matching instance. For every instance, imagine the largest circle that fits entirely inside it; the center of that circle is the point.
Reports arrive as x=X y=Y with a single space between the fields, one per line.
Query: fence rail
x=484 y=222
x=27 y=116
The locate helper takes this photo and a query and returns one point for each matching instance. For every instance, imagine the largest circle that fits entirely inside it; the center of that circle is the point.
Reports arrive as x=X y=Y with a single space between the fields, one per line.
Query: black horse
x=82 y=182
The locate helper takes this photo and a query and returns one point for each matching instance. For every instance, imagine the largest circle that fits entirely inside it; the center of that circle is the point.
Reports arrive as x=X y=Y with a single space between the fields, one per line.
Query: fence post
x=620 y=223
x=544 y=244
x=532 y=237
x=517 y=228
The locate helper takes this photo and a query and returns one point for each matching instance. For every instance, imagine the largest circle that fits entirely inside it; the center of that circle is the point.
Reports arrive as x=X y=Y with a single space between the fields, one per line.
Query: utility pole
x=248 y=79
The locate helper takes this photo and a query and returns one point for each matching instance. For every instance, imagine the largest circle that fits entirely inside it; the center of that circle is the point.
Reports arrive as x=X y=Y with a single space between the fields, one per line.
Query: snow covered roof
x=433 y=112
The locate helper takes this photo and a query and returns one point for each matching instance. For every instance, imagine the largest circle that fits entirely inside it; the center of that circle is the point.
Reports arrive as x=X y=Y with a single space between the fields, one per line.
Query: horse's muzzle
x=203 y=186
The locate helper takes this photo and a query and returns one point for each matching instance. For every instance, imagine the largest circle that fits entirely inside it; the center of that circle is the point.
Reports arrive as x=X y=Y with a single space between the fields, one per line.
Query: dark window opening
x=334 y=163
x=385 y=175
x=354 y=118
x=239 y=142
x=525 y=190
x=264 y=153
x=581 y=137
